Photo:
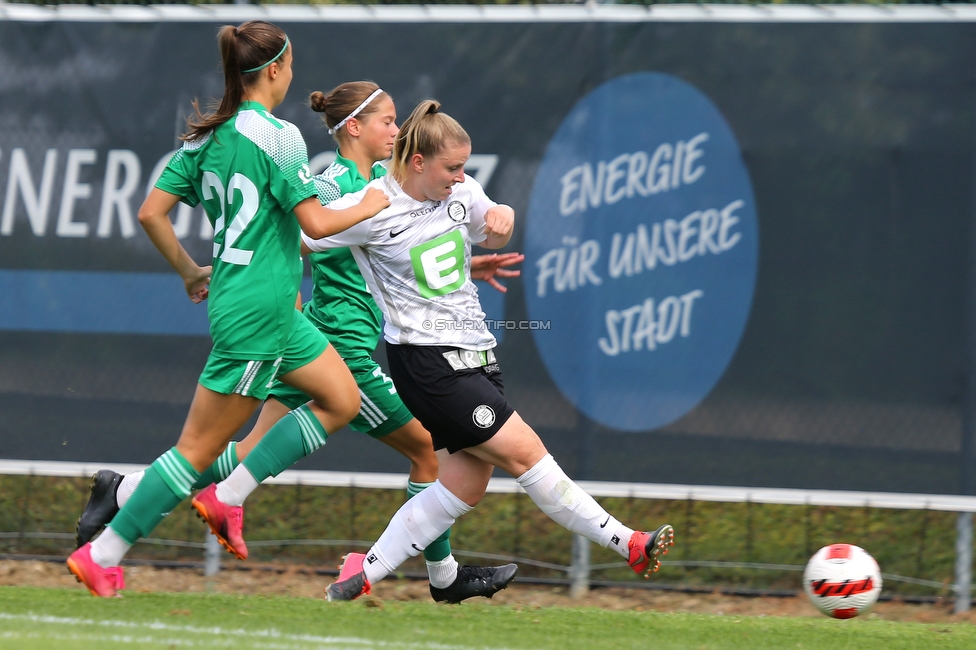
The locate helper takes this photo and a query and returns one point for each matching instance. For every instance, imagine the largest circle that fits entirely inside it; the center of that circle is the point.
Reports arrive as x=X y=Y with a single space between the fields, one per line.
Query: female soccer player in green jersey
x=250 y=170
x=415 y=256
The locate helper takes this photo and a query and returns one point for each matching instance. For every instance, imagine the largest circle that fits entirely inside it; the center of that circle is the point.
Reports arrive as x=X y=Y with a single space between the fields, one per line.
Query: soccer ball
x=842 y=580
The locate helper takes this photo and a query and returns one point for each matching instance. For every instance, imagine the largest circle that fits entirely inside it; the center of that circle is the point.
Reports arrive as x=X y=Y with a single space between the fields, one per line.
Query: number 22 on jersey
x=227 y=231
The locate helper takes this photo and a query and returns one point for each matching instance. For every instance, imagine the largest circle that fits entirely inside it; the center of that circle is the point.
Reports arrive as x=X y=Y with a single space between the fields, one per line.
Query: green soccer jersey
x=341 y=305
x=250 y=173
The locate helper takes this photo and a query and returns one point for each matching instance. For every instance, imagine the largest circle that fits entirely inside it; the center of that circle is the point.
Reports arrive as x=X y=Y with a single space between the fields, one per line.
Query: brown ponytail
x=343 y=100
x=426 y=132
x=248 y=46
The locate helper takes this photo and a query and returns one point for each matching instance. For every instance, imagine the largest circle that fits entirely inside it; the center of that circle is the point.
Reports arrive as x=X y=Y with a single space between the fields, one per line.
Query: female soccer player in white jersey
x=415 y=256
x=250 y=170
x=362 y=118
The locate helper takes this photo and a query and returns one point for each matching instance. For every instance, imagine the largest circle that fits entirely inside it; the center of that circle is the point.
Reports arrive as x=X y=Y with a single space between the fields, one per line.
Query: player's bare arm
x=154 y=217
x=318 y=221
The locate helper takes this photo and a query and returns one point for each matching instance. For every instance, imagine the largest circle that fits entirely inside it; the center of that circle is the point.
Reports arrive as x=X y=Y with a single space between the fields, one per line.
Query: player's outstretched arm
x=154 y=218
x=318 y=221
x=488 y=267
x=499 y=225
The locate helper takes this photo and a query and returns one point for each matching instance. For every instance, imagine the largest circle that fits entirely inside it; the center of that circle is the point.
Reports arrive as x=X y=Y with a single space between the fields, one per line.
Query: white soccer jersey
x=416 y=259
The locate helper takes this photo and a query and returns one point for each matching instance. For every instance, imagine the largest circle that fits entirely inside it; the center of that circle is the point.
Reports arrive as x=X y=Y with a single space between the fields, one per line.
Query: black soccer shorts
x=457 y=395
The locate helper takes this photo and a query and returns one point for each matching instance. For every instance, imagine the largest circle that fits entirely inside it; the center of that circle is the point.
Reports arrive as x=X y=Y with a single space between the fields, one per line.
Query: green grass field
x=67 y=619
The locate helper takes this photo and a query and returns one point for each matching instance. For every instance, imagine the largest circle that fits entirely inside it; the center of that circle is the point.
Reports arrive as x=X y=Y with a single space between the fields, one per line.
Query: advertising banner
x=748 y=244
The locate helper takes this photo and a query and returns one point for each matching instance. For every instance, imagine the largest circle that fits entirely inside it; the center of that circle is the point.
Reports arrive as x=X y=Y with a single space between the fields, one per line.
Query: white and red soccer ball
x=842 y=580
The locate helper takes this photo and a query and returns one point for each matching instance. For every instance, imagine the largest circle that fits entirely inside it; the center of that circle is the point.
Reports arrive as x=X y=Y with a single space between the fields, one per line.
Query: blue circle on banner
x=641 y=251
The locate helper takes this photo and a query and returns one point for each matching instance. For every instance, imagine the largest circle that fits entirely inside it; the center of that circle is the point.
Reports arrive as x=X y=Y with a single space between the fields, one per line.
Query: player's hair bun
x=317 y=101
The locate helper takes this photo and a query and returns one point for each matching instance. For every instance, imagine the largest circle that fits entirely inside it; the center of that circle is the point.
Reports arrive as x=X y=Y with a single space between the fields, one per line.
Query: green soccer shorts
x=381 y=411
x=257 y=378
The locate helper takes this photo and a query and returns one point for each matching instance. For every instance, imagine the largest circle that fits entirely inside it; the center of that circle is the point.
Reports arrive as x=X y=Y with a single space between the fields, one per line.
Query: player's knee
x=347 y=405
x=473 y=498
x=339 y=407
x=201 y=454
x=524 y=458
x=469 y=492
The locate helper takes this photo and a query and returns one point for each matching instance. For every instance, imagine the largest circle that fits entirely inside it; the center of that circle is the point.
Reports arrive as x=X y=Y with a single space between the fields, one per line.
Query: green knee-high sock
x=440 y=548
x=166 y=483
x=221 y=469
x=292 y=438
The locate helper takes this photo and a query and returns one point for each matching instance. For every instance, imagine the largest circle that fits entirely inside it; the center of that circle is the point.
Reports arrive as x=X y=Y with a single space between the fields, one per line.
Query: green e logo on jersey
x=439 y=264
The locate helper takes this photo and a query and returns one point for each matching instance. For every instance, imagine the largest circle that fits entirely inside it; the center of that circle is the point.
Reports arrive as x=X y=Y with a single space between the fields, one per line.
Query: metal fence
x=580 y=573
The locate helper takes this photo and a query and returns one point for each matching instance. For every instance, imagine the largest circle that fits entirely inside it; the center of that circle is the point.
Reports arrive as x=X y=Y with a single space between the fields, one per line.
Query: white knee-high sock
x=572 y=508
x=443 y=572
x=127 y=486
x=416 y=524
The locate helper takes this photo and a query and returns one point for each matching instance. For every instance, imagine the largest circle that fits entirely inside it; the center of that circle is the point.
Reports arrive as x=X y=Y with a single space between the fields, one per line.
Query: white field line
x=169 y=642
x=113 y=639
x=275 y=639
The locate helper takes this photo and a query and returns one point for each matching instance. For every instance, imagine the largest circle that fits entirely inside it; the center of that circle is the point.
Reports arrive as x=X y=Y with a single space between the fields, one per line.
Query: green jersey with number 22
x=249 y=173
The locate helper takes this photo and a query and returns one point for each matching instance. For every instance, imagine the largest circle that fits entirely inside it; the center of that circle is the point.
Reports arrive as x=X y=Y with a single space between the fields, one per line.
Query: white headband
x=376 y=93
